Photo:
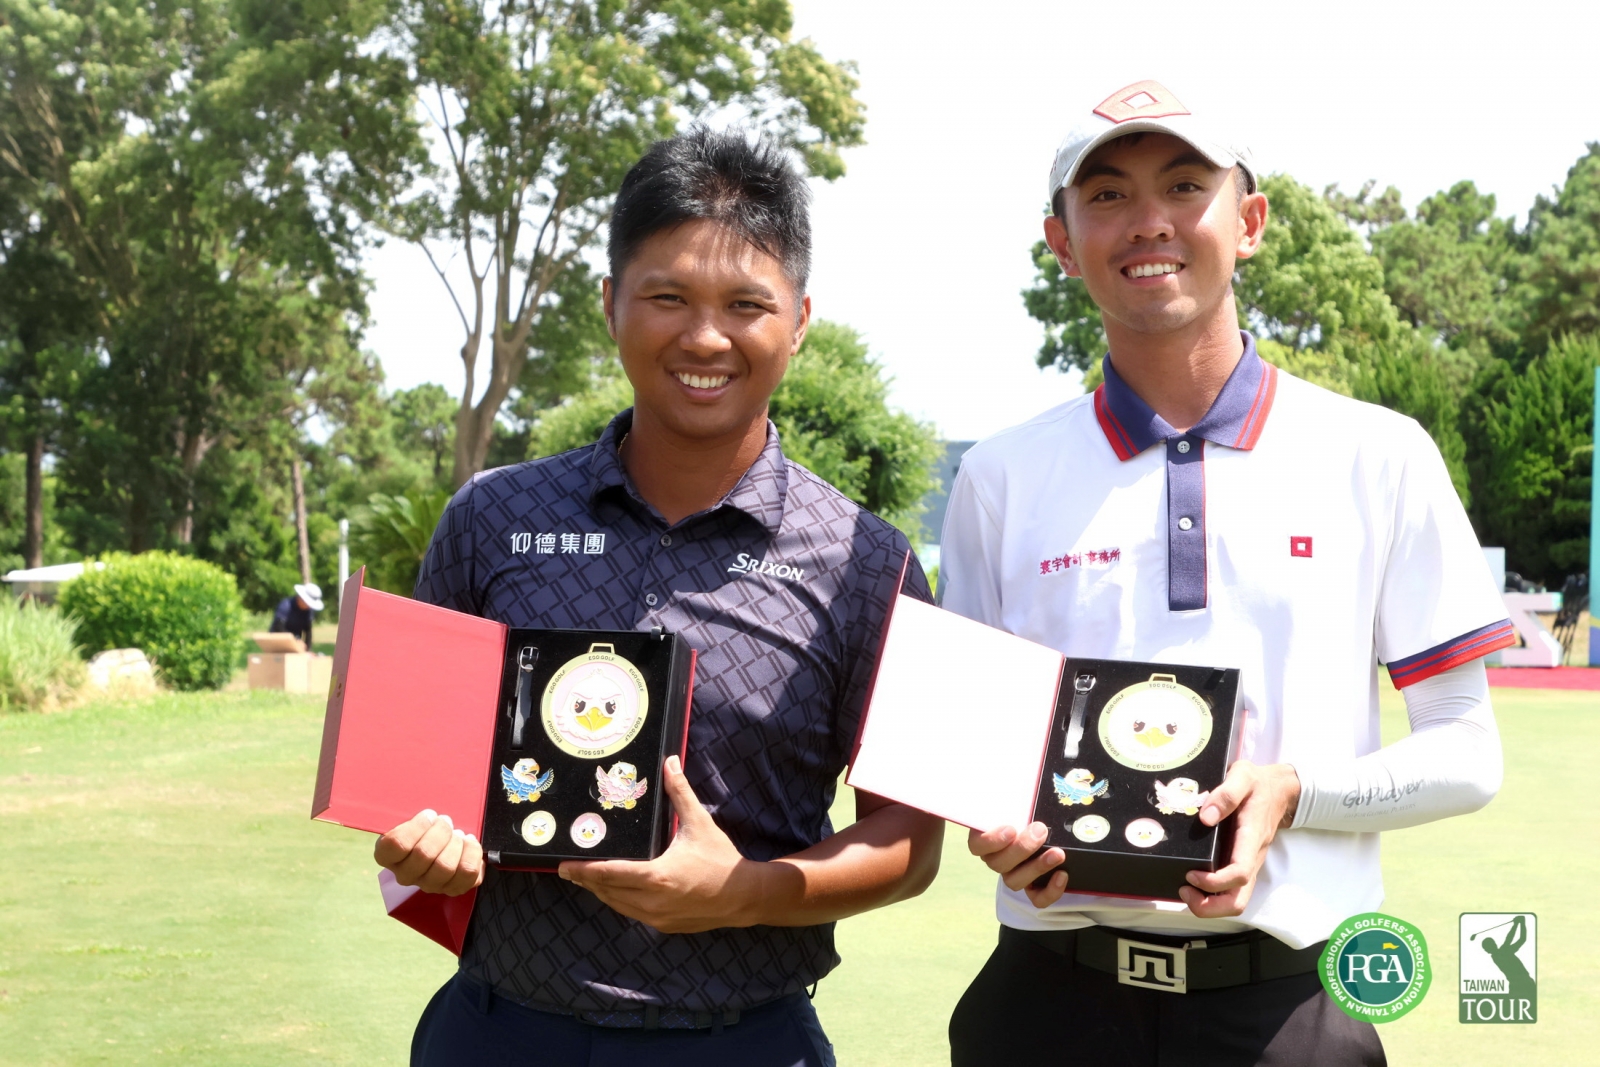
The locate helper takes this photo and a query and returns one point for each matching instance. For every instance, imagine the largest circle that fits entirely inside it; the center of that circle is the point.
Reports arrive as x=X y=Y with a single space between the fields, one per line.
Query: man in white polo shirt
x=1204 y=507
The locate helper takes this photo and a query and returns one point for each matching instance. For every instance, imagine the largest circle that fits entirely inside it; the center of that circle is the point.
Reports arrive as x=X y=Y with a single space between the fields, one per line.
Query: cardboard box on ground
x=283 y=663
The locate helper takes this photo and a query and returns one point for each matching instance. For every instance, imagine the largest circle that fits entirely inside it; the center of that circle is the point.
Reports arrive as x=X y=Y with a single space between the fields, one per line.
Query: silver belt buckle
x=1162 y=967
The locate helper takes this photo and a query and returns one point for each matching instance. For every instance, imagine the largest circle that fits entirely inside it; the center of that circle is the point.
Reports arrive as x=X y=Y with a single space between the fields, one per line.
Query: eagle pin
x=620 y=787
x=523 y=781
x=1180 y=794
x=1078 y=786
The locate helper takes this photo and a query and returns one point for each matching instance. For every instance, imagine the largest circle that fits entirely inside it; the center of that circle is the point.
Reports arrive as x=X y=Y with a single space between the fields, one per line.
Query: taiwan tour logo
x=1376 y=967
x=1499 y=967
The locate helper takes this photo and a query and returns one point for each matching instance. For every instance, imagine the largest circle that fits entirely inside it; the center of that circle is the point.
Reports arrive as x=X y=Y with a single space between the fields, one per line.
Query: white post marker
x=344 y=554
x=1594 y=530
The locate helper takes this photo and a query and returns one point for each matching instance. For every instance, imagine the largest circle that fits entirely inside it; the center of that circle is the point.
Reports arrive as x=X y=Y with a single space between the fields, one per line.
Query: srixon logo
x=744 y=564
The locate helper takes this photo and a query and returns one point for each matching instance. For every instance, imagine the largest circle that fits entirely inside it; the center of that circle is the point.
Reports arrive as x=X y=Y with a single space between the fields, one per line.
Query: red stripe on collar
x=1121 y=443
x=1256 y=419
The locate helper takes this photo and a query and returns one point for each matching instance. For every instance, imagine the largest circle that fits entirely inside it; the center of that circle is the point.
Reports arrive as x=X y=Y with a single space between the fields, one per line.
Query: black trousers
x=463 y=1027
x=1029 y=1003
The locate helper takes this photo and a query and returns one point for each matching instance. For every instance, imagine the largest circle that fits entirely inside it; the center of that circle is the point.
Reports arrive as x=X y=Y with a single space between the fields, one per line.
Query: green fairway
x=167 y=901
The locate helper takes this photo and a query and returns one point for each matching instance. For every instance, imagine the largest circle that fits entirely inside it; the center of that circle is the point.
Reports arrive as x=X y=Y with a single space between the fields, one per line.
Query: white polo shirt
x=1298 y=535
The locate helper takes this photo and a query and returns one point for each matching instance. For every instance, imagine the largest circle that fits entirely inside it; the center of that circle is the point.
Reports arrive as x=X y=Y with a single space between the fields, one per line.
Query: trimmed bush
x=184 y=613
x=39 y=663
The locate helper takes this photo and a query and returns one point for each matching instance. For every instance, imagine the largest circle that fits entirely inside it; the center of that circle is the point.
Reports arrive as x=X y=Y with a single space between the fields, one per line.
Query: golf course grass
x=166 y=900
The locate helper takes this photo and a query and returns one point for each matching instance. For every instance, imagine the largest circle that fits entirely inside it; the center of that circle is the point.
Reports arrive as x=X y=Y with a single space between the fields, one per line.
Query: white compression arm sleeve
x=1448 y=765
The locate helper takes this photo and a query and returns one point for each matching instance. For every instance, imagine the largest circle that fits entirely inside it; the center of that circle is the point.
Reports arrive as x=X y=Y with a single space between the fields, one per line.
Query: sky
x=924 y=245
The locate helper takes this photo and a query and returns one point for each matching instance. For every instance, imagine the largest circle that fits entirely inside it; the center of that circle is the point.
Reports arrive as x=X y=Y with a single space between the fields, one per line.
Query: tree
x=1559 y=284
x=202 y=168
x=1532 y=473
x=13 y=517
x=1073 y=334
x=832 y=414
x=1312 y=285
x=424 y=424
x=539 y=110
x=45 y=311
x=1447 y=271
x=1407 y=374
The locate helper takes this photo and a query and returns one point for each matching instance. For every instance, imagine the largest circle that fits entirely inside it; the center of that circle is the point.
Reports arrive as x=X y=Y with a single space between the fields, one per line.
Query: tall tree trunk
x=475 y=424
x=183 y=530
x=191 y=452
x=300 y=519
x=138 y=515
x=33 y=530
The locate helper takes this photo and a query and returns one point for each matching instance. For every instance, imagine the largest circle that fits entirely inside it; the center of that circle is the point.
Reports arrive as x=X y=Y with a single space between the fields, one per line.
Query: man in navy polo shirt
x=703 y=955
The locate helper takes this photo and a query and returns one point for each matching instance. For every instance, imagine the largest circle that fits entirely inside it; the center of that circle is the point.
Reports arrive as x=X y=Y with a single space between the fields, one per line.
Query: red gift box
x=414 y=723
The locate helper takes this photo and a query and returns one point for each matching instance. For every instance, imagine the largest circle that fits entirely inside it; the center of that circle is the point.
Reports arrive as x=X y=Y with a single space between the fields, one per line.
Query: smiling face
x=1153 y=228
x=705 y=324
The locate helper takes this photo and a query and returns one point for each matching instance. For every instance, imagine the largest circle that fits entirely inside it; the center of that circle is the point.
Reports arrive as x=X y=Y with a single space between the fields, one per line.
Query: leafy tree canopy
x=539 y=109
x=1533 y=467
x=1560 y=275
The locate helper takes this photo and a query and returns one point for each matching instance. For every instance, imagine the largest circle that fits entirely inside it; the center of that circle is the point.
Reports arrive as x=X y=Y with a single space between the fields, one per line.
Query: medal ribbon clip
x=526 y=658
x=1080 y=704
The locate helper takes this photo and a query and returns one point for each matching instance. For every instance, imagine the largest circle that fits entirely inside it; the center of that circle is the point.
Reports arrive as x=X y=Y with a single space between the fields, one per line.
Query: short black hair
x=746 y=183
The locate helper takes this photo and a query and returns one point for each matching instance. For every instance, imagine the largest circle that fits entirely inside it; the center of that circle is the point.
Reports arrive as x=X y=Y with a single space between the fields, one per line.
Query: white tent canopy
x=44 y=581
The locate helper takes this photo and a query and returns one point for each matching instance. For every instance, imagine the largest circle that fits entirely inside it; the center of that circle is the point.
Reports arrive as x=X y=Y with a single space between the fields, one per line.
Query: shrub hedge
x=184 y=613
x=39 y=663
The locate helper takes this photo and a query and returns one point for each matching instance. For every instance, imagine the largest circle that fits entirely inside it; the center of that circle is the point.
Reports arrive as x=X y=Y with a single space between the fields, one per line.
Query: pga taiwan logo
x=1376 y=967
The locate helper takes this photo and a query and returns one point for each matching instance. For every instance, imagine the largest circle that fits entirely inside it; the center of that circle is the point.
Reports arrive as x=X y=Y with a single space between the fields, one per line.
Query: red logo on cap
x=1141 y=100
x=1300 y=546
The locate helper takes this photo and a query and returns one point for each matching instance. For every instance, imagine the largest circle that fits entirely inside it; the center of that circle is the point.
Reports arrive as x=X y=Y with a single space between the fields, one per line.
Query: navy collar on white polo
x=1235 y=420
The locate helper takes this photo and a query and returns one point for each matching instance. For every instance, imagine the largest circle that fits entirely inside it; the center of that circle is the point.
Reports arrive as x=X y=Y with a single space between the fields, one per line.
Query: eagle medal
x=1155 y=725
x=595 y=704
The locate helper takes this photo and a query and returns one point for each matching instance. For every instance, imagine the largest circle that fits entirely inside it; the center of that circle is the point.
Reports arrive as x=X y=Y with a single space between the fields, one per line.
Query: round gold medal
x=595 y=704
x=1155 y=725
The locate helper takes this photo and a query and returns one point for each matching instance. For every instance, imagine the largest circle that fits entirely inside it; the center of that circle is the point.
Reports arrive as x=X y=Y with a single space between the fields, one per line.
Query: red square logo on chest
x=1300 y=546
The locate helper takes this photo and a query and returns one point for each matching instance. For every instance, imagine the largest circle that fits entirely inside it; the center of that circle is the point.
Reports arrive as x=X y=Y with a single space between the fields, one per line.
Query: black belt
x=1175 y=965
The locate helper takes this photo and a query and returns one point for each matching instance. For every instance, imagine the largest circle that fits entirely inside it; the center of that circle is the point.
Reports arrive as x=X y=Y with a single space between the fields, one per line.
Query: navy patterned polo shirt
x=782 y=588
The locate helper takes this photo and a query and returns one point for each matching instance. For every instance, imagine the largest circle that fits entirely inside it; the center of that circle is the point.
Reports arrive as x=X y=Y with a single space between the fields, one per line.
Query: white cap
x=311 y=593
x=1144 y=107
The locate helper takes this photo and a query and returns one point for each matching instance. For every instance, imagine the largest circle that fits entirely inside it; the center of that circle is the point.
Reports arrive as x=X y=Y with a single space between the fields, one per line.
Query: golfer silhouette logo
x=1499 y=966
